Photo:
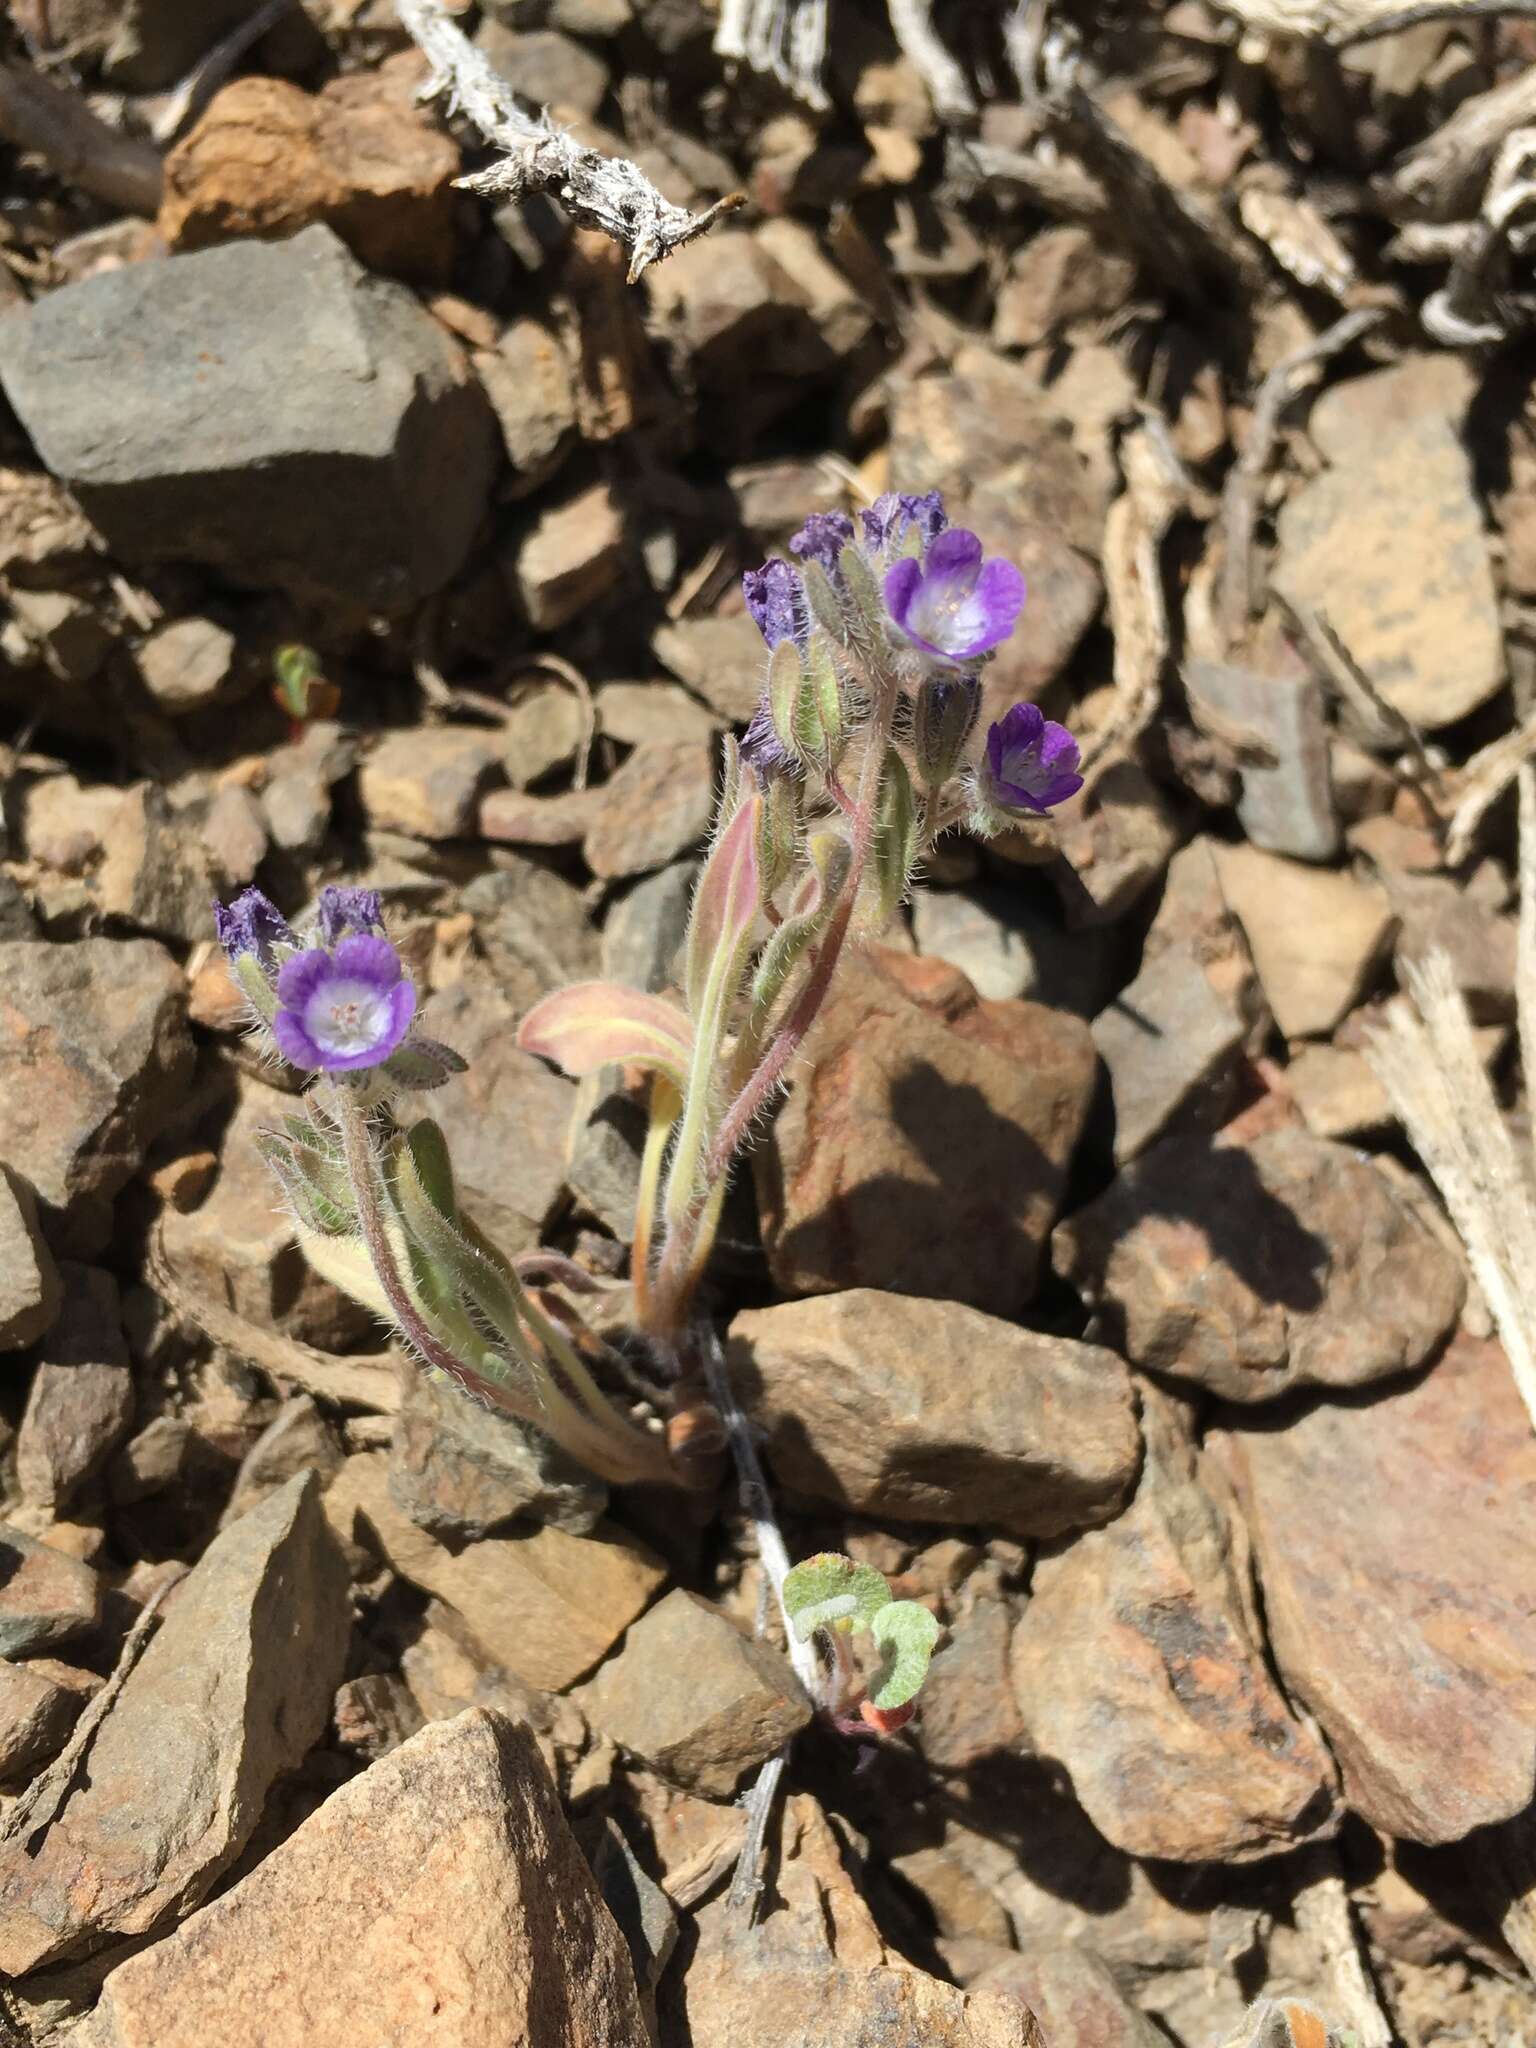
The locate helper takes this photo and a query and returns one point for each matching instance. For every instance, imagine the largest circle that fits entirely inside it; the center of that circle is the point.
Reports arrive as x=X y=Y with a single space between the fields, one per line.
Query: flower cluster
x=904 y=590
x=338 y=1005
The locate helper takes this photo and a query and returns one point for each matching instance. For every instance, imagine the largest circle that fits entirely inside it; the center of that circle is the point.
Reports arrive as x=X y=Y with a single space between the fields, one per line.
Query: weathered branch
x=786 y=39
x=603 y=192
x=52 y=122
x=912 y=24
x=1339 y=23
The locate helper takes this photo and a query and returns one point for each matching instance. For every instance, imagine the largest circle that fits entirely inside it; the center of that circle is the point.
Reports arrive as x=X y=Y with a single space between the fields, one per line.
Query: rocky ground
x=1086 y=1283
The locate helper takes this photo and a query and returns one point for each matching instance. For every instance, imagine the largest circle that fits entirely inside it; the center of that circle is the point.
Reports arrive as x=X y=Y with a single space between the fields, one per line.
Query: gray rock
x=235 y=835
x=267 y=409
x=1173 y=1046
x=695 y=1698
x=646 y=928
x=533 y=929
x=30 y=1293
x=297 y=1439
x=653 y=808
x=153 y=873
x=528 y=381
x=80 y=1404
x=505 y=1120
x=461 y=1471
x=1286 y=807
x=547 y=67
x=723 y=659
x=46 y=1597
x=607 y=1137
x=235 y=1686
x=94 y=1062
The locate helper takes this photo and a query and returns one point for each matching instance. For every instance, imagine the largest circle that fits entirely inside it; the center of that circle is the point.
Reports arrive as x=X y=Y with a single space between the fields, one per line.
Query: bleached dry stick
x=604 y=192
x=1323 y=1915
x=1342 y=22
x=912 y=24
x=1427 y=1060
x=787 y=39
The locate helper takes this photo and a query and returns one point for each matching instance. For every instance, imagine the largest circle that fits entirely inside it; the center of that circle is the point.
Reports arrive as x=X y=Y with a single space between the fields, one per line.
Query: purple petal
x=953 y=555
x=1058 y=749
x=348 y=910
x=366 y=958
x=1000 y=590
x=823 y=538
x=901 y=587
x=885 y=523
x=294 y=1042
x=1021 y=726
x=252 y=924
x=301 y=976
x=773 y=599
x=763 y=750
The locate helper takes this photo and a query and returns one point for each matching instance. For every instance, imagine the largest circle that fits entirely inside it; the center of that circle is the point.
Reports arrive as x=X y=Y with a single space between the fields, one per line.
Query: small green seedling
x=830 y=1593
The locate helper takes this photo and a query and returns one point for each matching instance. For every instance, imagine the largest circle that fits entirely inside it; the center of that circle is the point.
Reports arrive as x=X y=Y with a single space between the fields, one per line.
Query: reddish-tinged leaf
x=727 y=900
x=597 y=1024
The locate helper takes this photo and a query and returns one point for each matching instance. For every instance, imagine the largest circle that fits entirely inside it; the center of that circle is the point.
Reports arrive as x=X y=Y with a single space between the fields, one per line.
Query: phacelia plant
x=859 y=755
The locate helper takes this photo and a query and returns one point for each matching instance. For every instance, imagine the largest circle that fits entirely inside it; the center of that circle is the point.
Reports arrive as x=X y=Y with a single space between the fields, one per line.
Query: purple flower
x=252 y=924
x=773 y=599
x=348 y=910
x=952 y=604
x=345 y=1008
x=823 y=538
x=887 y=520
x=1031 y=762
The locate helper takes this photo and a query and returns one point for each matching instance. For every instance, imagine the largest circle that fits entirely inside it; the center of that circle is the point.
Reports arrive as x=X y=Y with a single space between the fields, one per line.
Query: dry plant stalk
x=1339 y=23
x=1427 y=1060
x=1155 y=492
x=604 y=192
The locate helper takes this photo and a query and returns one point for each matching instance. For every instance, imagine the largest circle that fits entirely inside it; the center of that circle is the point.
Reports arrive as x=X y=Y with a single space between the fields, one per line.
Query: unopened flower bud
x=943 y=715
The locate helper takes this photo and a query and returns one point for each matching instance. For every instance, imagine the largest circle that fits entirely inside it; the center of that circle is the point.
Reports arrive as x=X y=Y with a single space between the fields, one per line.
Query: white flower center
x=948 y=614
x=347 y=1016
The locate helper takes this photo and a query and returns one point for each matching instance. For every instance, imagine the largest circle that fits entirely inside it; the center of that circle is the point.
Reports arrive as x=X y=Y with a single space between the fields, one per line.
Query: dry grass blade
x=1427 y=1060
x=1479 y=786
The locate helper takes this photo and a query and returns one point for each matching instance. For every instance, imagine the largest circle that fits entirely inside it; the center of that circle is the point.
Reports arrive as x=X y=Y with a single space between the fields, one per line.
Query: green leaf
x=905 y=1634
x=596 y=1024
x=427 y=1150
x=895 y=846
x=831 y=1591
x=423 y=1063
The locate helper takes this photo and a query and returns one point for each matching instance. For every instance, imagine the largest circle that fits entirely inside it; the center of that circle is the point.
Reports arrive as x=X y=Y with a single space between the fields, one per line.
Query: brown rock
x=234 y=1687
x=632 y=712
x=30 y=1292
x=427 y=782
x=654 y=808
x=187 y=662
x=963 y=1908
x=46 y=1597
x=361 y=155
x=298 y=1439
x=723 y=659
x=533 y=929
x=1136 y=1666
x=1337 y=1093
x=815 y=1969
x=1287 y=802
x=471 y=1919
x=1060 y=276
x=978 y=1421
x=522 y=820
x=80 y=1404
x=926 y=1140
x=1255 y=1269
x=505 y=1119
x=1173 y=1046
x=238 y=1245
x=1391 y=545
x=547 y=1606
x=461 y=1471
x=1316 y=937
x=36 y=1715
x=375 y=1714
x=528 y=382
x=153 y=873
x=695 y=1698
x=235 y=835
x=1073 y=1995
x=1383 y=1511
x=967 y=1709
x=94 y=1060
x=1118 y=836
x=570 y=558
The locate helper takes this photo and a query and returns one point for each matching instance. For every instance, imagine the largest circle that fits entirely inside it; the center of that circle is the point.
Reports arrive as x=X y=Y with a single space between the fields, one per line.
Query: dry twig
x=1427 y=1060
x=55 y=123
x=1245 y=479
x=1442 y=177
x=948 y=87
x=604 y=192
x=1339 y=23
x=1476 y=304
x=1480 y=784
x=784 y=39
x=1155 y=493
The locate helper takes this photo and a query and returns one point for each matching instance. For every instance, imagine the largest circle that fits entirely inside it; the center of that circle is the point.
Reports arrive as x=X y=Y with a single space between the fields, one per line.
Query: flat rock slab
x=1137 y=1665
x=925 y=1144
x=438 y=1899
x=80 y=1403
x=234 y=1688
x=30 y=1293
x=544 y=1605
x=1255 y=1269
x=268 y=409
x=1391 y=546
x=1396 y=1544
x=94 y=1059
x=47 y=1598
x=931 y=1412
x=695 y=1698
x=1317 y=937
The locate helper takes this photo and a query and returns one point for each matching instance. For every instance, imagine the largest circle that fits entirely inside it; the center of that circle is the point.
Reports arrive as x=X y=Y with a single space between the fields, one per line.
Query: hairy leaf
x=906 y=1634
x=831 y=1591
x=595 y=1024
